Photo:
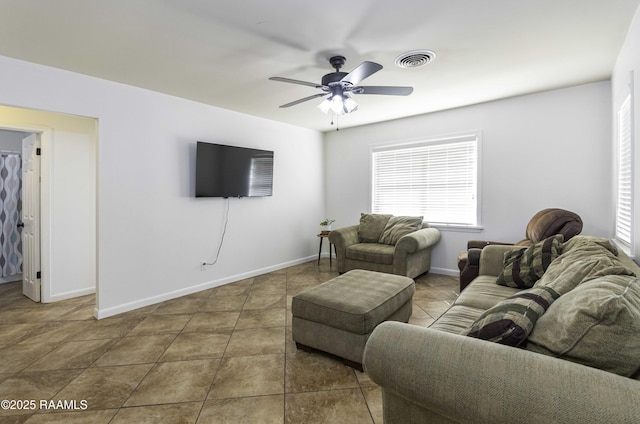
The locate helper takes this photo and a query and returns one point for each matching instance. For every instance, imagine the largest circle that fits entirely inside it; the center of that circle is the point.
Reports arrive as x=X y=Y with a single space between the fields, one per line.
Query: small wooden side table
x=322 y=236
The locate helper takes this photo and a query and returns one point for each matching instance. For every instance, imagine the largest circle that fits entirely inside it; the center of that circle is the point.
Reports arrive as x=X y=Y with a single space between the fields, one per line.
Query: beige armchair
x=384 y=243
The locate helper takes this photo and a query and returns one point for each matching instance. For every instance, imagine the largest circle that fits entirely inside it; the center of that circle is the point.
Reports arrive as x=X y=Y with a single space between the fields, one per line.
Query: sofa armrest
x=418 y=240
x=492 y=258
x=469 y=260
x=468 y=380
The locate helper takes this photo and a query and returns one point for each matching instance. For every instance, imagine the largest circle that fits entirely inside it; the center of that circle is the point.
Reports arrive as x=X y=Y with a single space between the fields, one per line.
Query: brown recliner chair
x=545 y=223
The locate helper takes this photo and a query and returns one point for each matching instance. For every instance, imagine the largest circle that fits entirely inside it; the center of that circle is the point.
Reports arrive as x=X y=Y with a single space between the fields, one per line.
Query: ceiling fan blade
x=364 y=70
x=315 y=96
x=293 y=81
x=392 y=91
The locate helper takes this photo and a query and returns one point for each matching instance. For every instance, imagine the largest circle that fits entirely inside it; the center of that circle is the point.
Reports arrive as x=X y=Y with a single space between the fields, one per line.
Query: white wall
x=68 y=188
x=544 y=150
x=73 y=202
x=152 y=232
x=627 y=70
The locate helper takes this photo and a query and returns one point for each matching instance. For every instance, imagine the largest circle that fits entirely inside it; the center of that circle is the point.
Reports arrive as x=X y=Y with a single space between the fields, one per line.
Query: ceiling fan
x=337 y=86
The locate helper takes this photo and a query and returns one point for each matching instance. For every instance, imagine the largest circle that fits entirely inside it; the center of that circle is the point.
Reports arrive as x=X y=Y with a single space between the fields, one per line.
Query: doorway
x=68 y=199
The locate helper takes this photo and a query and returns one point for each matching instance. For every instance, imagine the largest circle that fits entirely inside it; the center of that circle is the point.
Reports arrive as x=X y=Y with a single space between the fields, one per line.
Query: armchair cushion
x=511 y=321
x=525 y=266
x=552 y=221
x=398 y=226
x=371 y=226
x=371 y=252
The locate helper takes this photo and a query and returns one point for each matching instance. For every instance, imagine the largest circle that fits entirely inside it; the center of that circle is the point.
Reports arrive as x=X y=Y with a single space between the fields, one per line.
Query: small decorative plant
x=326 y=225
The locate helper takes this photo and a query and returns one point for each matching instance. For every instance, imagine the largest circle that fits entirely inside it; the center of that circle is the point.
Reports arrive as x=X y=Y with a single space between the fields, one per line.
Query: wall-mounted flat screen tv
x=230 y=171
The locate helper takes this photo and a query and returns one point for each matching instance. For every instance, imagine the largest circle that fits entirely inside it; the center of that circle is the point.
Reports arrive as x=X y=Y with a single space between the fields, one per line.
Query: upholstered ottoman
x=338 y=316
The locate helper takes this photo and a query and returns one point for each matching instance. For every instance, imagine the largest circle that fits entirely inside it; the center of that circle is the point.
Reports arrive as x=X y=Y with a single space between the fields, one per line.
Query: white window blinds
x=436 y=179
x=624 y=204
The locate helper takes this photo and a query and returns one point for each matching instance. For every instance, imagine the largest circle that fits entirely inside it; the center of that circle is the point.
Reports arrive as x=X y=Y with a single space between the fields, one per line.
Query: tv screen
x=229 y=171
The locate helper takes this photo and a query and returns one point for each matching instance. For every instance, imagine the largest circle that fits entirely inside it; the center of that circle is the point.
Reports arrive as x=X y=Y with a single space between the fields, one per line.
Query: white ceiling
x=221 y=52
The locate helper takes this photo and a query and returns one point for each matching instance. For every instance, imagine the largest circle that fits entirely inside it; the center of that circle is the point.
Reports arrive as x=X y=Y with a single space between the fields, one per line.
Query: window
x=624 y=171
x=436 y=178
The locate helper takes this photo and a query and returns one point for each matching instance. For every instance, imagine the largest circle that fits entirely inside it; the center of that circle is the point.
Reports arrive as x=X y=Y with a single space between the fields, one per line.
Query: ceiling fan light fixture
x=325 y=106
x=349 y=105
x=339 y=104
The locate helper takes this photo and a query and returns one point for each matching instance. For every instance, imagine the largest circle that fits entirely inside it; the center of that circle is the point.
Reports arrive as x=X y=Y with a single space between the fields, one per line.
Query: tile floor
x=223 y=355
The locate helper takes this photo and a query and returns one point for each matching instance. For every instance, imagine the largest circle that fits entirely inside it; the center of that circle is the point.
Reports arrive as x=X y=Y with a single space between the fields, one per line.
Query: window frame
x=436 y=140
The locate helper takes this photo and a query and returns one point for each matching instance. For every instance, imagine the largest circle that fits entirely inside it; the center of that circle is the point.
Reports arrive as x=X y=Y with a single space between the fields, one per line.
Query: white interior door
x=31 y=217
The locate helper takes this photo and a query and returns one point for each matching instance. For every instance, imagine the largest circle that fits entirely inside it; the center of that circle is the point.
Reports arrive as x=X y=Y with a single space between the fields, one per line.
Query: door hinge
x=38 y=151
x=38 y=274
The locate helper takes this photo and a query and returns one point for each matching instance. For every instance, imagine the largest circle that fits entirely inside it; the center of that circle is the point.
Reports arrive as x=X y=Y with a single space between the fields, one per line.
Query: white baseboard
x=126 y=307
x=444 y=271
x=68 y=295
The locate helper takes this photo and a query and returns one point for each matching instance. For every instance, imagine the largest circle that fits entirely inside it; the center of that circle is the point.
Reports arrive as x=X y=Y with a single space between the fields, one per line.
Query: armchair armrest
x=479 y=244
x=344 y=237
x=433 y=374
x=418 y=240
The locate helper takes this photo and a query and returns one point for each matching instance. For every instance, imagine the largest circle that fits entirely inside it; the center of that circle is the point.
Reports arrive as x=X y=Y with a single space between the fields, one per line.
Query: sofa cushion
x=484 y=293
x=595 y=324
x=371 y=226
x=457 y=319
x=590 y=244
x=523 y=267
x=584 y=258
x=513 y=319
x=398 y=226
x=371 y=252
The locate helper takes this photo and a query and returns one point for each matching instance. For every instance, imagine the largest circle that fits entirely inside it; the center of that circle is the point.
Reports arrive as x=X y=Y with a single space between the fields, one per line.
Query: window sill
x=458 y=228
x=624 y=247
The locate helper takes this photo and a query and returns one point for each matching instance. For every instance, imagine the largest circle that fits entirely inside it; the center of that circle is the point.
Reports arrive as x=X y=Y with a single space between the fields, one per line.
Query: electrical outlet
x=203 y=266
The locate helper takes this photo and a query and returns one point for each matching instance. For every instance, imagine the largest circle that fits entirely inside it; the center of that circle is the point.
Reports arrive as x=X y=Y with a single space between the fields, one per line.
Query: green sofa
x=398 y=245
x=574 y=358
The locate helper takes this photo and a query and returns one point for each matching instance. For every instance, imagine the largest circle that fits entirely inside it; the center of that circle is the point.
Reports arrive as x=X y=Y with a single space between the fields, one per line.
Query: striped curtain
x=10 y=214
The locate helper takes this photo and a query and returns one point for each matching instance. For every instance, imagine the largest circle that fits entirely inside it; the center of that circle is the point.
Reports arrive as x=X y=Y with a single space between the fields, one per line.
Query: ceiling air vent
x=414 y=59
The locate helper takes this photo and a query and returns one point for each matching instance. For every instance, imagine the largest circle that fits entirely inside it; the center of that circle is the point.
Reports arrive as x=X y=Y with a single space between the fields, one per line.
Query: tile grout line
x=295 y=279
x=222 y=356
